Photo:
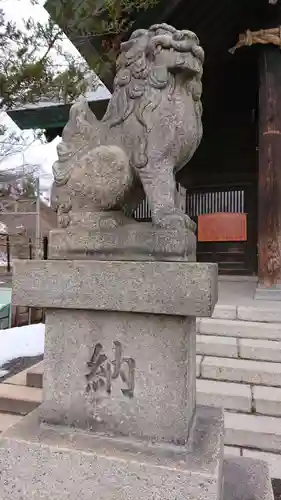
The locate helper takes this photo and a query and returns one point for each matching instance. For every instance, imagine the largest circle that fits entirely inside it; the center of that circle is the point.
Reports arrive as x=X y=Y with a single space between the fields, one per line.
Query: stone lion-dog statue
x=151 y=129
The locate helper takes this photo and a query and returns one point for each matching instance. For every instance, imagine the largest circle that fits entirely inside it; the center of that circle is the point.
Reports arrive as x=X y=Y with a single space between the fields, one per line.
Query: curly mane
x=138 y=85
x=138 y=82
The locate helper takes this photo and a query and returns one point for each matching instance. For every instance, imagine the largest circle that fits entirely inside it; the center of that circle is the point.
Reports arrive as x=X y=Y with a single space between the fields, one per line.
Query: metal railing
x=13 y=247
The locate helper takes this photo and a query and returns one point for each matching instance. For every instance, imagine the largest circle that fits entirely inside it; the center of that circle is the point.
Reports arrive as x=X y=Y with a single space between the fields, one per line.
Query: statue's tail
x=81 y=131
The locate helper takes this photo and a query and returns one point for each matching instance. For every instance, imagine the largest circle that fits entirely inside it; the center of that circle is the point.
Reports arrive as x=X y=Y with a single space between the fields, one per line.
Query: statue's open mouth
x=184 y=53
x=186 y=63
x=184 y=46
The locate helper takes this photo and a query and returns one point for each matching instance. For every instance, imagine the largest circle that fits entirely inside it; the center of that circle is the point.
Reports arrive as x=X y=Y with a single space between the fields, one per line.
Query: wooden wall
x=227 y=158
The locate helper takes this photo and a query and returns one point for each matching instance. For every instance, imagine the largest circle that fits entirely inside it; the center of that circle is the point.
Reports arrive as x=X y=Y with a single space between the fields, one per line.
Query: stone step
x=232 y=451
x=230 y=347
x=241 y=370
x=262 y=400
x=19 y=399
x=264 y=350
x=267 y=400
x=240 y=329
x=263 y=312
x=7 y=420
x=18 y=379
x=34 y=376
x=210 y=345
x=230 y=396
x=222 y=311
x=252 y=431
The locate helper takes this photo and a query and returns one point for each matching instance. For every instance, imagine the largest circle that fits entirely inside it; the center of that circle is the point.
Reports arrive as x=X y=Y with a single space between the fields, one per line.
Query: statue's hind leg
x=160 y=188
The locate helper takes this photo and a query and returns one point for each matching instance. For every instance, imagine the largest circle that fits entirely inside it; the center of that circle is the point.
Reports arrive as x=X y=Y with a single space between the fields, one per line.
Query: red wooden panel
x=222 y=227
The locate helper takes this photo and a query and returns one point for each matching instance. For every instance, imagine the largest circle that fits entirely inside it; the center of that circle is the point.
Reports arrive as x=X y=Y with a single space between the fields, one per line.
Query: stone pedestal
x=122 y=372
x=119 y=417
x=120 y=350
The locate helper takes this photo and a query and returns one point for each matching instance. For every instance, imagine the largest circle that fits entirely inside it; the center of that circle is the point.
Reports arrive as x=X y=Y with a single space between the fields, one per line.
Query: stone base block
x=135 y=241
x=246 y=479
x=58 y=463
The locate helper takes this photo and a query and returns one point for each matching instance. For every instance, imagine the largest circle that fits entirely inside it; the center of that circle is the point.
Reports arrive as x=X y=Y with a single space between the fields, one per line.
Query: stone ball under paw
x=104 y=177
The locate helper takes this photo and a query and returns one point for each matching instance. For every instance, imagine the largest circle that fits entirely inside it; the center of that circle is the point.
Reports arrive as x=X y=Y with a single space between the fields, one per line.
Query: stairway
x=18 y=397
x=238 y=367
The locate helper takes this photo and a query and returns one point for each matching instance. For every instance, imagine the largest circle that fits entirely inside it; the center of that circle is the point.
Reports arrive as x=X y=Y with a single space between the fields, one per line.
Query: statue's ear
x=159 y=76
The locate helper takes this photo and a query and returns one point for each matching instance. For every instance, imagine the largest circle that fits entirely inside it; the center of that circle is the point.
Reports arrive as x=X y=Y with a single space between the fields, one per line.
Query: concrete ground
x=238 y=290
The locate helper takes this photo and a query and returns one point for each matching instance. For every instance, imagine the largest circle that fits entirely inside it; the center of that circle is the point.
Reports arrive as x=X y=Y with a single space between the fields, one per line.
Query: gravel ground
x=19 y=364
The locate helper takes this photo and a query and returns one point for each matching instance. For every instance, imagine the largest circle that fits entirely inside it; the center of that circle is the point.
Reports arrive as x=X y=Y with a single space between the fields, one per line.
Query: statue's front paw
x=175 y=219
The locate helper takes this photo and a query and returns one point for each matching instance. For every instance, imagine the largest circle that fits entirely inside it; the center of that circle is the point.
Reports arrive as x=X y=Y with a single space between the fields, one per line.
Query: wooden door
x=226 y=227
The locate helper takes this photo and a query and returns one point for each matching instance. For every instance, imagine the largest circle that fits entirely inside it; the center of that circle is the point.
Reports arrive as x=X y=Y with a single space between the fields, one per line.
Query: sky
x=43 y=155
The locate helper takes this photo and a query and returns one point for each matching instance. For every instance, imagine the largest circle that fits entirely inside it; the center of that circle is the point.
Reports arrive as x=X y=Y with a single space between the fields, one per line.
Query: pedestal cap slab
x=173 y=288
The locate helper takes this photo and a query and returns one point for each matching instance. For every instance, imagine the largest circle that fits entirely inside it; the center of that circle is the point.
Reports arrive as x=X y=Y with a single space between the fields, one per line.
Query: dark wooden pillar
x=269 y=195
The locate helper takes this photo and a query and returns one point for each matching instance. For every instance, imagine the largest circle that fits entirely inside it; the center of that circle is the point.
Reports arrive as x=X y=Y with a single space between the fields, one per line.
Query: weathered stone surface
x=267 y=400
x=198 y=365
x=273 y=460
x=53 y=463
x=89 y=221
x=177 y=288
x=7 y=420
x=223 y=311
x=210 y=345
x=112 y=163
x=157 y=355
x=246 y=479
x=20 y=400
x=138 y=241
x=235 y=397
x=244 y=329
x=241 y=370
x=103 y=176
x=261 y=312
x=253 y=431
x=269 y=294
x=265 y=350
x=34 y=376
x=232 y=451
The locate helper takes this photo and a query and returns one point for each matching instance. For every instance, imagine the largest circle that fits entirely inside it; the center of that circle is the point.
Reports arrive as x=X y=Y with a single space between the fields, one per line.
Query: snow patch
x=22 y=341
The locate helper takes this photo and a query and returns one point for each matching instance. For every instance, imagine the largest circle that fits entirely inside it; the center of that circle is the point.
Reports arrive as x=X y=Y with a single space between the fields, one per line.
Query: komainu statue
x=150 y=130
